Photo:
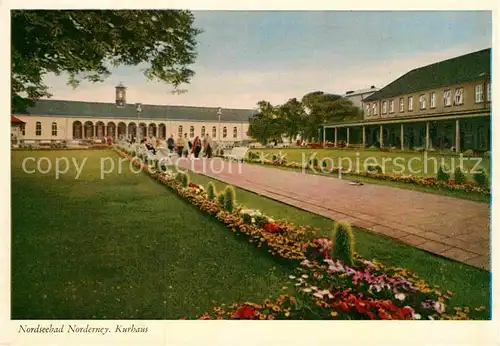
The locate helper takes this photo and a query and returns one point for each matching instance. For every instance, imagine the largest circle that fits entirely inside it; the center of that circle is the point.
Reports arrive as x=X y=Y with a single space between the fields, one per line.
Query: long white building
x=57 y=120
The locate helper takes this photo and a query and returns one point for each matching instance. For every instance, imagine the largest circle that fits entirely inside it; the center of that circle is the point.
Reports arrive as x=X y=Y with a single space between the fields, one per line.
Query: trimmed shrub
x=220 y=198
x=261 y=220
x=459 y=176
x=183 y=178
x=374 y=169
x=442 y=174
x=246 y=218
x=211 y=192
x=229 y=199
x=314 y=162
x=481 y=176
x=343 y=243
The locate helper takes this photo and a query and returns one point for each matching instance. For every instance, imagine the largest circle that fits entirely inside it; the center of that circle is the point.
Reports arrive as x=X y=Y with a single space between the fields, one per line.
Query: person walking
x=171 y=143
x=208 y=146
x=196 y=147
x=186 y=148
x=180 y=146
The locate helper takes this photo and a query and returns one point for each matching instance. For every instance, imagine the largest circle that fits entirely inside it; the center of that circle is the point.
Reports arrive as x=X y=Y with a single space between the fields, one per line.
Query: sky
x=248 y=56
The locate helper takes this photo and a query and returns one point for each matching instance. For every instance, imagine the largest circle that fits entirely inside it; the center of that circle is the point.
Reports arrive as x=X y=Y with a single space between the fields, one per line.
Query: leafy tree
x=266 y=125
x=293 y=116
x=86 y=43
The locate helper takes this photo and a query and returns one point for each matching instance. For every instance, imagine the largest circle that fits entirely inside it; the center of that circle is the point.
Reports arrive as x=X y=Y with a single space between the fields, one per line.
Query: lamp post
x=139 y=110
x=219 y=113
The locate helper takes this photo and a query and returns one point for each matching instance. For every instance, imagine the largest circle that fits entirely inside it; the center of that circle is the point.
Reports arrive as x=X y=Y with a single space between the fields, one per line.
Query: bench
x=237 y=154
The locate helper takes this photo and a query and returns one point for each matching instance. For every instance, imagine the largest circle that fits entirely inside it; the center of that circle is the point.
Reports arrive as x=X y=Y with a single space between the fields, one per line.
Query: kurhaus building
x=446 y=105
x=57 y=120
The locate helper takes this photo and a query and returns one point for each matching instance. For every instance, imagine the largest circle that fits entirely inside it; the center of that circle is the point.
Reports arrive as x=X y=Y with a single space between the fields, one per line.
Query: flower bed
x=326 y=289
x=395 y=177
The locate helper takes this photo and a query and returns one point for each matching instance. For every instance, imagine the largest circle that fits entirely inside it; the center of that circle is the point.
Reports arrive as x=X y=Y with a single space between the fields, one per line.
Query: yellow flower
x=334 y=314
x=287 y=313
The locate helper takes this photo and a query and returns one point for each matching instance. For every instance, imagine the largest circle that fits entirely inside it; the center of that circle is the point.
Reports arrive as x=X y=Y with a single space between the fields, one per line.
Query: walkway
x=453 y=228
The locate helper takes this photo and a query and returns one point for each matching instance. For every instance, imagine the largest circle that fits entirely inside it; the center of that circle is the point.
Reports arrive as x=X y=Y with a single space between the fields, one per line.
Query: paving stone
x=434 y=236
x=434 y=247
x=481 y=262
x=413 y=240
x=388 y=231
x=458 y=254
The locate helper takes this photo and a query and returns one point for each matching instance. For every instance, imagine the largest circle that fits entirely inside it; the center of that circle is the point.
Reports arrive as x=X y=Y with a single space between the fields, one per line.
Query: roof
x=129 y=111
x=360 y=91
x=465 y=68
x=15 y=120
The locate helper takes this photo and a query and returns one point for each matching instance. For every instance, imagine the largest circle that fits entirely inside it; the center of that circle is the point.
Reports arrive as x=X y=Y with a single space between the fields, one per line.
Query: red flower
x=245 y=312
x=452 y=182
x=271 y=227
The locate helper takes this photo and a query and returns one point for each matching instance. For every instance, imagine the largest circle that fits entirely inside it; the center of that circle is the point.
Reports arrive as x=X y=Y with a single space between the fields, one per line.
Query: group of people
x=185 y=147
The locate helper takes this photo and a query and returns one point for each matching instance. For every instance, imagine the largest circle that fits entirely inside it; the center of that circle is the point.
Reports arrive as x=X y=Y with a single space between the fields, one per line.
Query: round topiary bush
x=459 y=176
x=229 y=199
x=343 y=243
x=211 y=192
x=183 y=179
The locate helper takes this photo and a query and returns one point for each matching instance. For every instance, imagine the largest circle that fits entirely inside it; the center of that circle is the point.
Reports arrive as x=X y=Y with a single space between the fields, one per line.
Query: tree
x=85 y=44
x=293 y=116
x=266 y=125
x=326 y=108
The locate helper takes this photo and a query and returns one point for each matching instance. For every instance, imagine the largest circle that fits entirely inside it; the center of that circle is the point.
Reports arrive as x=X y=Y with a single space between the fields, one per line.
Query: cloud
x=244 y=88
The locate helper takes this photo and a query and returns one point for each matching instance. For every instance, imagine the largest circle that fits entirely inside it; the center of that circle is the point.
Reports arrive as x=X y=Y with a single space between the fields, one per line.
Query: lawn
x=424 y=164
x=471 y=286
x=122 y=248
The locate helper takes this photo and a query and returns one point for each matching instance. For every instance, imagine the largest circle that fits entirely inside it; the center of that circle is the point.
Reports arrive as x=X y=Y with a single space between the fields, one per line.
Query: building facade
x=446 y=105
x=57 y=120
x=358 y=96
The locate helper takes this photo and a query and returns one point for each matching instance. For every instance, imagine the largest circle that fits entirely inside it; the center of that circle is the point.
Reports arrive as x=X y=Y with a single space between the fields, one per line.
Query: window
x=479 y=93
x=391 y=106
x=447 y=98
x=23 y=129
x=433 y=100
x=401 y=104
x=459 y=96
x=374 y=109
x=235 y=132
x=191 y=131
x=422 y=102
x=224 y=132
x=488 y=92
x=54 y=129
x=384 y=107
x=179 y=131
x=368 y=110
x=214 y=132
x=203 y=131
x=38 y=128
x=410 y=103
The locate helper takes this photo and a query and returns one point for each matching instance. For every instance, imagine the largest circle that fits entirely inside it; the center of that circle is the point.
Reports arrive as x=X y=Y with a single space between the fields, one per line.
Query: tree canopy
x=300 y=118
x=86 y=43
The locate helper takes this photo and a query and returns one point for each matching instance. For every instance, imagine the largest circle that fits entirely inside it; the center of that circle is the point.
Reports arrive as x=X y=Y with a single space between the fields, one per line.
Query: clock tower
x=121 y=95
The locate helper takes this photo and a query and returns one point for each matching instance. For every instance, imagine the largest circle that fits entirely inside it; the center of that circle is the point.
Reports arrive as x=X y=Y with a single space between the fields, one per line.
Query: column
x=427 y=135
x=457 y=136
x=335 y=133
x=347 y=143
x=126 y=131
x=402 y=138
x=381 y=136
x=324 y=137
x=364 y=137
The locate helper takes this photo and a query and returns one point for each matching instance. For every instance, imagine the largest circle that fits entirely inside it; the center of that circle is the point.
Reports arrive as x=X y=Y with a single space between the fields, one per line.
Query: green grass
x=122 y=248
x=423 y=164
x=470 y=285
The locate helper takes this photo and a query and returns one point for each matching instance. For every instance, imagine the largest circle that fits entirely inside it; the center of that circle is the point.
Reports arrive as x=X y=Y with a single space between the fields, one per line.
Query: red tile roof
x=14 y=120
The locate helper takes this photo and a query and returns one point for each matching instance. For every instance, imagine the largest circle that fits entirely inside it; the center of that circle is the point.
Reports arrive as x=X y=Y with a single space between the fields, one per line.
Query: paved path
x=451 y=227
